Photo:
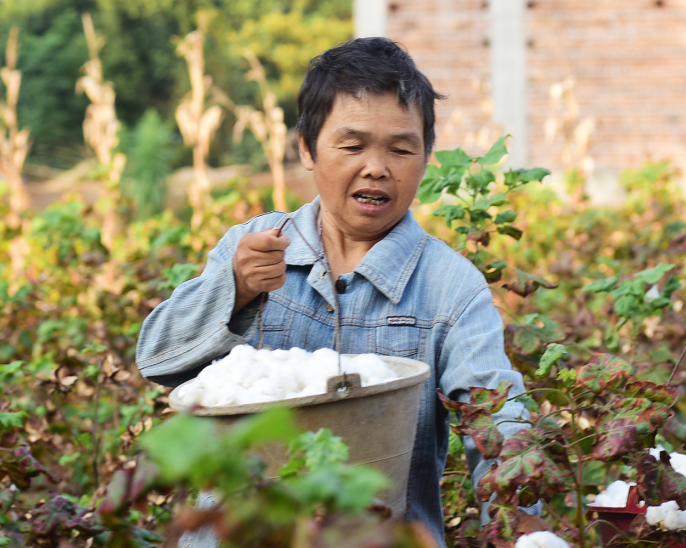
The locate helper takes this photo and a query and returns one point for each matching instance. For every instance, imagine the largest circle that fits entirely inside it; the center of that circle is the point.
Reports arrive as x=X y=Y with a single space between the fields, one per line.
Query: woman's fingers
x=259 y=264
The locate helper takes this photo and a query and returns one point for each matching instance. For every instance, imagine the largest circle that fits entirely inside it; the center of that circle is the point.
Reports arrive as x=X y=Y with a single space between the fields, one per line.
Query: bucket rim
x=421 y=374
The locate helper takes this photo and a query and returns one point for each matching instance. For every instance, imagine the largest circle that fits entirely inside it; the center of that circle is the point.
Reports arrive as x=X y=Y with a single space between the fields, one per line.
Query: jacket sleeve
x=195 y=326
x=474 y=355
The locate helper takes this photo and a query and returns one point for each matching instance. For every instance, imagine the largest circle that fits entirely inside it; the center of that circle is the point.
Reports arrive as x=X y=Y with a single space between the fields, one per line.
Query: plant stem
x=580 y=522
x=561 y=519
x=678 y=363
x=94 y=434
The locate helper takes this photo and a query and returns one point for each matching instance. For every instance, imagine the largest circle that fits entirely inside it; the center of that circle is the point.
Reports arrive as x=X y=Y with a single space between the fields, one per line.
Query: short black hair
x=357 y=67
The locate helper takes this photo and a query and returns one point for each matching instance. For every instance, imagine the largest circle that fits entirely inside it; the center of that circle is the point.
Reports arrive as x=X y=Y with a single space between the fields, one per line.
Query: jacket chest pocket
x=399 y=340
x=275 y=325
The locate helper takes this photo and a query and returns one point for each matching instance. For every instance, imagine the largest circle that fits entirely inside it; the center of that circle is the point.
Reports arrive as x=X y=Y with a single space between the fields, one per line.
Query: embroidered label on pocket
x=401 y=320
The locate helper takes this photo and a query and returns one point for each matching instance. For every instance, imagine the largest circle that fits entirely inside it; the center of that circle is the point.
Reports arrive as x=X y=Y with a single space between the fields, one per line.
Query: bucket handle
x=345 y=384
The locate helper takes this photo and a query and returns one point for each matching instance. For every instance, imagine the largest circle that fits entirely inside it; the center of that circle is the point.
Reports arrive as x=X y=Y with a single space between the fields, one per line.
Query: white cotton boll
x=678 y=462
x=285 y=377
x=281 y=355
x=326 y=359
x=652 y=294
x=654 y=515
x=243 y=352
x=655 y=451
x=268 y=387
x=541 y=539
x=254 y=371
x=191 y=394
x=615 y=495
x=667 y=516
x=265 y=356
x=371 y=368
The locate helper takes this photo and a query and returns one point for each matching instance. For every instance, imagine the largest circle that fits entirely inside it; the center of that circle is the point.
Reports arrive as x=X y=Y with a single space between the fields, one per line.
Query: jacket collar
x=388 y=265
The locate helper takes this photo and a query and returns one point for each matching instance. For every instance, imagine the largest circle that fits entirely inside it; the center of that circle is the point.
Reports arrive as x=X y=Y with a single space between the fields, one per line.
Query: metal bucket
x=377 y=423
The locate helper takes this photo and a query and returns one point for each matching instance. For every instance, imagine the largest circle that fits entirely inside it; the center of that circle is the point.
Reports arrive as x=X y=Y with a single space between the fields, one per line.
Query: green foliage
x=474 y=206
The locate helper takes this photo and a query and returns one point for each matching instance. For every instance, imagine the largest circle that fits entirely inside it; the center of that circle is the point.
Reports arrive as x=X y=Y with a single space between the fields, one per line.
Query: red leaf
x=59 y=516
x=530 y=458
x=20 y=465
x=658 y=482
x=602 y=372
x=478 y=423
x=617 y=439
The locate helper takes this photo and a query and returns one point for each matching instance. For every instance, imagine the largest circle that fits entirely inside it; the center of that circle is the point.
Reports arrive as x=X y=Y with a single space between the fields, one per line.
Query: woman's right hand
x=258 y=265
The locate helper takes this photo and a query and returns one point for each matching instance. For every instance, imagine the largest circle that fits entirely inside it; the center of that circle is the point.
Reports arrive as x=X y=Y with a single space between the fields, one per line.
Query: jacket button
x=329 y=308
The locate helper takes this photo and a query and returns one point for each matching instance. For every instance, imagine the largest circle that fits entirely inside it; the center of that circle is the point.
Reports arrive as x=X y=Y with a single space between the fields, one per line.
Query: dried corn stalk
x=268 y=128
x=100 y=129
x=14 y=143
x=197 y=125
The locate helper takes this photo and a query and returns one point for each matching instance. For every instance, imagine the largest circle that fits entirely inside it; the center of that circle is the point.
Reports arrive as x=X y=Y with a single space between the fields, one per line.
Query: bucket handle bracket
x=344 y=384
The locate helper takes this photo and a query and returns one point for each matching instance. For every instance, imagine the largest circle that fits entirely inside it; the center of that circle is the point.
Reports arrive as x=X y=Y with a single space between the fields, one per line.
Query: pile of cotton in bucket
x=541 y=539
x=615 y=496
x=248 y=375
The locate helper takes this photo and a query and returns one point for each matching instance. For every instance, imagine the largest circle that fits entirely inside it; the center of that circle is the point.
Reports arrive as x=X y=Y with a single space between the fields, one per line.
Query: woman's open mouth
x=371 y=199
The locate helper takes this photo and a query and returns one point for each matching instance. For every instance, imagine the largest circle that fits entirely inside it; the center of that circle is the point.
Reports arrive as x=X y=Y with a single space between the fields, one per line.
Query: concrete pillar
x=370 y=18
x=508 y=44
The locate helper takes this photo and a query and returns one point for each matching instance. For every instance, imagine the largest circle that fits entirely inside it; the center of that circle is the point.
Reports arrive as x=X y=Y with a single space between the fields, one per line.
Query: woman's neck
x=343 y=254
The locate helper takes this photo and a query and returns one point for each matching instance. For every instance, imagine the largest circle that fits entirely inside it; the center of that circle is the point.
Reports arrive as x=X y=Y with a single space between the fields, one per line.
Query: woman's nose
x=376 y=166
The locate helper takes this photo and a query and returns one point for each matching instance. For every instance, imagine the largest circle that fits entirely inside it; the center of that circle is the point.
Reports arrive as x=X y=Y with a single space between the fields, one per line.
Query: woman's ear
x=305 y=156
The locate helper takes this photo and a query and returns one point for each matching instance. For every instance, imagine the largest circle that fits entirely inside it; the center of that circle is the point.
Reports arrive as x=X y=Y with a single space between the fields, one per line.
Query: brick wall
x=447 y=39
x=628 y=59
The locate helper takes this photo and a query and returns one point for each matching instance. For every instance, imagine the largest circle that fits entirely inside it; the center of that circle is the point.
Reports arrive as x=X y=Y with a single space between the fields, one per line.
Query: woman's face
x=370 y=160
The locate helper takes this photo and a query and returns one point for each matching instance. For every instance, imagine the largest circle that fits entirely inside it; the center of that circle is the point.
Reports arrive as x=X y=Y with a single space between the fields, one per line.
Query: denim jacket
x=410 y=296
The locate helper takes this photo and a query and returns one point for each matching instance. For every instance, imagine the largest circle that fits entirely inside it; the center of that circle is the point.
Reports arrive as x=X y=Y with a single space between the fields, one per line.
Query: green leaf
x=428 y=192
x=529 y=403
x=599 y=286
x=176 y=275
x=455 y=158
x=505 y=217
x=567 y=376
x=527 y=283
x=495 y=154
x=319 y=449
x=480 y=181
x=653 y=275
x=527 y=175
x=276 y=424
x=670 y=287
x=510 y=231
x=451 y=213
x=551 y=356
x=12 y=420
x=179 y=443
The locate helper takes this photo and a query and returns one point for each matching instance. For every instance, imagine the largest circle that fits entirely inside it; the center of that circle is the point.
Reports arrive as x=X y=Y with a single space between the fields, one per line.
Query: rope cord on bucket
x=337 y=324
